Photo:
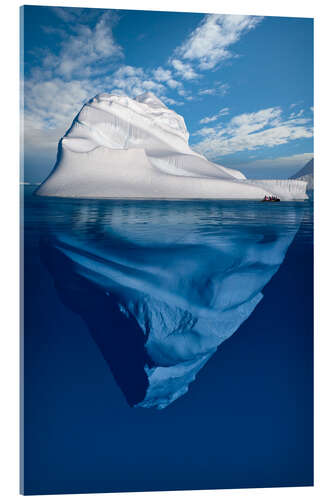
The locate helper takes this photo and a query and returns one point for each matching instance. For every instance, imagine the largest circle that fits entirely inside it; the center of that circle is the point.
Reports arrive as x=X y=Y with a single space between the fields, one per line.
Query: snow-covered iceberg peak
x=118 y=147
x=119 y=122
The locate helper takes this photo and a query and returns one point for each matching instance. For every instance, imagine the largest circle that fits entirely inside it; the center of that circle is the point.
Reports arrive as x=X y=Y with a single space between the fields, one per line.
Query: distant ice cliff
x=306 y=174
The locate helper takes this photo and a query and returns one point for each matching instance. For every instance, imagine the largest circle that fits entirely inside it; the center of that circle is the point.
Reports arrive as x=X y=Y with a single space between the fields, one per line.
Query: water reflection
x=162 y=284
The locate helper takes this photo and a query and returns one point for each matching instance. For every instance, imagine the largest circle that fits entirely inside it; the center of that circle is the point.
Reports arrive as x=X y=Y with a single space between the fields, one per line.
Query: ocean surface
x=247 y=419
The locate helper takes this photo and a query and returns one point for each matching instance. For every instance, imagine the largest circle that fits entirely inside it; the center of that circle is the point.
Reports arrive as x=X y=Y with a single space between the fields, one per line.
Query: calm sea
x=246 y=421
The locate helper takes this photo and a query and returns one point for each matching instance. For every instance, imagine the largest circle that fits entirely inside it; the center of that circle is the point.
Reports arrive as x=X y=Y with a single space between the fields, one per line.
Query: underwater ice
x=118 y=147
x=160 y=290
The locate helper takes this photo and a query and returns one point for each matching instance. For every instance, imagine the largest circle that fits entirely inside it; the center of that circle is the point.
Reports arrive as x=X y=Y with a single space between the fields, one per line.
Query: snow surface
x=118 y=147
x=186 y=289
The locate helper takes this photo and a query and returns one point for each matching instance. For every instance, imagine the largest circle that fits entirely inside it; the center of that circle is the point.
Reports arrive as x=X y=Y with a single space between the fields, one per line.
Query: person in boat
x=271 y=198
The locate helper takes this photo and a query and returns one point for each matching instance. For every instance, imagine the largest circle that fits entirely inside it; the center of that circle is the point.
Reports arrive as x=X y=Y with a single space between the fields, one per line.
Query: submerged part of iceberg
x=161 y=286
x=118 y=147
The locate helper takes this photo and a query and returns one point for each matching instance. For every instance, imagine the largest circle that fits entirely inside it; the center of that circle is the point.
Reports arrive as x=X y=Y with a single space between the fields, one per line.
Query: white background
x=9 y=246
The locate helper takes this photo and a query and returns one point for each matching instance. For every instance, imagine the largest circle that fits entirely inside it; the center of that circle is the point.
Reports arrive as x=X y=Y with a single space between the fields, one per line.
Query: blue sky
x=244 y=84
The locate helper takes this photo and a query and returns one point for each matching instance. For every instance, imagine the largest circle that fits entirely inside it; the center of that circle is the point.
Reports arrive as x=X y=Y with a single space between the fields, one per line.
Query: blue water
x=247 y=419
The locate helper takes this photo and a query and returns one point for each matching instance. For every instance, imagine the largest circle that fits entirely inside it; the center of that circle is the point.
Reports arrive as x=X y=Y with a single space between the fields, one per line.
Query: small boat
x=271 y=198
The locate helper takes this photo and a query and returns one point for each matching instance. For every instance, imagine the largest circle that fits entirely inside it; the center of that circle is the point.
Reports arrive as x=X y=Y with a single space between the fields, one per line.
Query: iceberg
x=118 y=147
x=306 y=174
x=162 y=285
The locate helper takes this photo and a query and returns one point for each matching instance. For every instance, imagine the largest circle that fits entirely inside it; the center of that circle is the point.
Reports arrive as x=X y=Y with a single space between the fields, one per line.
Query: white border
x=9 y=364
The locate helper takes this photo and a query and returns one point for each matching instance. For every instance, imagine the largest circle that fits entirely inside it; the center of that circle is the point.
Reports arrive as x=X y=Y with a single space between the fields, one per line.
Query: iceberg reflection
x=161 y=285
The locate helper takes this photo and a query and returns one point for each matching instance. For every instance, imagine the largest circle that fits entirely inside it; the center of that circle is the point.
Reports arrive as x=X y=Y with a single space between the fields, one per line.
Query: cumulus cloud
x=134 y=81
x=51 y=103
x=209 y=43
x=83 y=49
x=165 y=75
x=184 y=70
x=250 y=131
x=161 y=74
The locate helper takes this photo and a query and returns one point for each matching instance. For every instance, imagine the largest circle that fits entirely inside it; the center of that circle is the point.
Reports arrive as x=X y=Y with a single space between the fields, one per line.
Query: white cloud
x=83 y=49
x=134 y=81
x=53 y=103
x=55 y=90
x=174 y=84
x=184 y=70
x=209 y=43
x=161 y=74
x=297 y=114
x=66 y=15
x=72 y=16
x=50 y=108
x=170 y=102
x=207 y=92
x=295 y=104
x=218 y=89
x=246 y=123
x=165 y=75
x=250 y=131
x=206 y=131
x=209 y=119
